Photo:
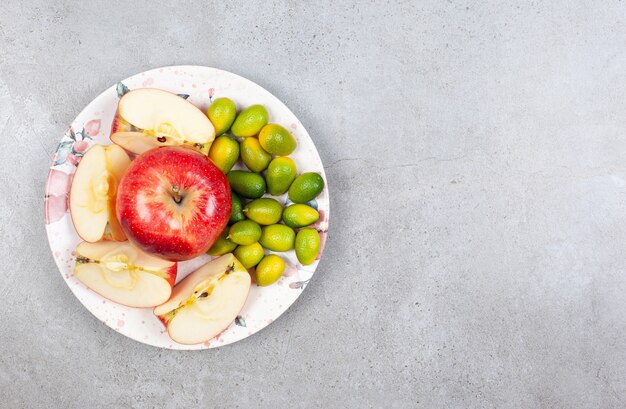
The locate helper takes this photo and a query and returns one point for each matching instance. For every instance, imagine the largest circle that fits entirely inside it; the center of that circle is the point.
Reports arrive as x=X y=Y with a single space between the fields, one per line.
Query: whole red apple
x=173 y=202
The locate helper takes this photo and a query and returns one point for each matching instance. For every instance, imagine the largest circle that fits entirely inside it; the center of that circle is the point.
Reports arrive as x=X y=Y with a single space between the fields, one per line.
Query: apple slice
x=93 y=191
x=147 y=118
x=138 y=142
x=206 y=302
x=124 y=274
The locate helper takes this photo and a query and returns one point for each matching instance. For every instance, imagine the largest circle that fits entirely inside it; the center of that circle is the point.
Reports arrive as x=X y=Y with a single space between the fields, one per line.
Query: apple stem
x=176 y=195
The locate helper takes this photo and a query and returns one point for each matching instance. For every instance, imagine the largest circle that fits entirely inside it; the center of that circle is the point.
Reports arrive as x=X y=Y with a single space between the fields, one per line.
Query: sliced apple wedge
x=206 y=302
x=124 y=274
x=138 y=142
x=92 y=195
x=166 y=114
x=147 y=118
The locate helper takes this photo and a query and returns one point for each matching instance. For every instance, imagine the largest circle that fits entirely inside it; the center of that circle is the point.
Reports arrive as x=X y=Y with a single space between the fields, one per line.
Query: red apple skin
x=171 y=274
x=162 y=319
x=148 y=210
x=119 y=124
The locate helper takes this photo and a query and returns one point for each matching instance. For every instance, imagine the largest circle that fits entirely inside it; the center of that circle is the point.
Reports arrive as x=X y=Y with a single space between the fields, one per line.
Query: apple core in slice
x=207 y=301
x=139 y=142
x=124 y=274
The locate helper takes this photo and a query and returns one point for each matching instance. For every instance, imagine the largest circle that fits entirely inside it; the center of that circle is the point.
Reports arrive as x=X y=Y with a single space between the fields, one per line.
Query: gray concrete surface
x=476 y=157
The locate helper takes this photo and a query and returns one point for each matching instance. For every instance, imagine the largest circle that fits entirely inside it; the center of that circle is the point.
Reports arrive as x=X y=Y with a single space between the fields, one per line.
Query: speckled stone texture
x=476 y=155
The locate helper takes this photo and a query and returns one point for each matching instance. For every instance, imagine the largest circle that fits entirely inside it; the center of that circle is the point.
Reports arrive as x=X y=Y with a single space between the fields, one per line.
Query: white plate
x=92 y=125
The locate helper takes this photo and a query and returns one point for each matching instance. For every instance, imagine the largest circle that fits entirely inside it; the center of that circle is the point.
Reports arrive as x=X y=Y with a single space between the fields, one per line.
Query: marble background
x=476 y=162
